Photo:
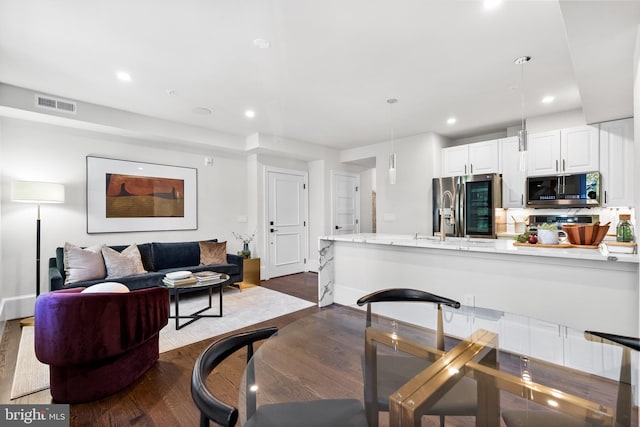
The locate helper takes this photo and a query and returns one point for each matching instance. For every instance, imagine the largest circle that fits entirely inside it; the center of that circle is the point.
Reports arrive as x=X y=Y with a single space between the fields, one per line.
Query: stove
x=535 y=220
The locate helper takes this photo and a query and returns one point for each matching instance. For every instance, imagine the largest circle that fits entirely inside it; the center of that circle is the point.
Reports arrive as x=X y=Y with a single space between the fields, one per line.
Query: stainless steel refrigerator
x=475 y=199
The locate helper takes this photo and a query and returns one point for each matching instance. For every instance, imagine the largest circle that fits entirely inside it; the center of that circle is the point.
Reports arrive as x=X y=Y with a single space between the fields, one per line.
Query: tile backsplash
x=606 y=215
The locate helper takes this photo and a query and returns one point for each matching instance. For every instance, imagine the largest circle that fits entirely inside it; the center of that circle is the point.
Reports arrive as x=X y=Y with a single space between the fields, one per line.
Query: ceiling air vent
x=60 y=105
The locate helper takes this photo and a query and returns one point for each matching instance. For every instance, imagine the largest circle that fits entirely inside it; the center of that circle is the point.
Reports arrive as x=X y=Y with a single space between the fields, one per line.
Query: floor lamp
x=37 y=192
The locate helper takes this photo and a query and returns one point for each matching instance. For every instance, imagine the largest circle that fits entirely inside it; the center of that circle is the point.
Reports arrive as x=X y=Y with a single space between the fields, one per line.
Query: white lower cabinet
x=546 y=341
x=583 y=354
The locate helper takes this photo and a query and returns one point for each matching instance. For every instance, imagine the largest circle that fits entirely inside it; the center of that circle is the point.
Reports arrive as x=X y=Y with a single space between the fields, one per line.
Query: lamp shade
x=37 y=192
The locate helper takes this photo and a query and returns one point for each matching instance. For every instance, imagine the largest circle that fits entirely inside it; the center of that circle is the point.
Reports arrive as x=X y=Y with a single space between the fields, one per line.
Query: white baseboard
x=17 y=307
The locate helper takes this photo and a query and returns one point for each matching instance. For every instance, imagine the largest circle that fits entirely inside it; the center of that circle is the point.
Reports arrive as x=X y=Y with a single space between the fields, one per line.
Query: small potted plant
x=246 y=239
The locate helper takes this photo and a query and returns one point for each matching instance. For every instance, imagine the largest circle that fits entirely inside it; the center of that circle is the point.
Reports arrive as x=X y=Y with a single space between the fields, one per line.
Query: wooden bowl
x=585 y=234
x=574 y=233
x=602 y=231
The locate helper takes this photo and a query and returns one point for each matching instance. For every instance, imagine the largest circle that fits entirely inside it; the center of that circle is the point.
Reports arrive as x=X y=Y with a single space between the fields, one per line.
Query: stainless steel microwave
x=564 y=191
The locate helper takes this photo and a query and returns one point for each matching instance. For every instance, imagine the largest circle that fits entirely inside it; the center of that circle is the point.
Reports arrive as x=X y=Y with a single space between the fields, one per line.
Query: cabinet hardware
x=563 y=165
x=471 y=168
x=556 y=166
x=273 y=229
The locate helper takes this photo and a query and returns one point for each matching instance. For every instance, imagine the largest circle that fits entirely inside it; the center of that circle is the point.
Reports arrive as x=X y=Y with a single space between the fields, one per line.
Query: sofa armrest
x=55 y=276
x=74 y=328
x=237 y=260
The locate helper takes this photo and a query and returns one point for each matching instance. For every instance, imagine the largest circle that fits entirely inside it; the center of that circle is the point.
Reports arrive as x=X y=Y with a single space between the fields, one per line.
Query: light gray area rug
x=240 y=309
x=30 y=376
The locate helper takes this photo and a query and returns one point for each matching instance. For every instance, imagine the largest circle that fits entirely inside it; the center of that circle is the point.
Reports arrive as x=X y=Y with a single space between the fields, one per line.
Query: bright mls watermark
x=36 y=415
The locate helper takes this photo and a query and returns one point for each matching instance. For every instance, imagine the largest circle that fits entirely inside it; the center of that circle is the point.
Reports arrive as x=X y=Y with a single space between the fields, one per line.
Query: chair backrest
x=624 y=401
x=210 y=407
x=410 y=295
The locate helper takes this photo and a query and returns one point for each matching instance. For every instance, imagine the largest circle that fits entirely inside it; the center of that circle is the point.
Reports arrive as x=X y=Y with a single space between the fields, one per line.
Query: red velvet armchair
x=98 y=343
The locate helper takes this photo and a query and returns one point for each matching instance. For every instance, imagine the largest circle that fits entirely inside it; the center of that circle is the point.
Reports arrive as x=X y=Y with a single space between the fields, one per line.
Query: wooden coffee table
x=210 y=285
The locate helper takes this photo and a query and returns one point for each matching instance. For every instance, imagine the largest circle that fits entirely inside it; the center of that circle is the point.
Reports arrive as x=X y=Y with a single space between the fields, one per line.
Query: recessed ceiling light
x=451 y=120
x=250 y=114
x=125 y=77
x=202 y=111
x=548 y=99
x=491 y=4
x=261 y=43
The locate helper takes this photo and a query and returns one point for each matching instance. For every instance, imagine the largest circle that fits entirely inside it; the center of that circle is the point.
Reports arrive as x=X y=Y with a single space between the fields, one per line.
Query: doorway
x=286 y=220
x=345 y=203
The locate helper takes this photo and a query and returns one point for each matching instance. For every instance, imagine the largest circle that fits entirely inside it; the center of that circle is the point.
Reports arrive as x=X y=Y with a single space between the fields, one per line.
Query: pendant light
x=522 y=133
x=392 y=156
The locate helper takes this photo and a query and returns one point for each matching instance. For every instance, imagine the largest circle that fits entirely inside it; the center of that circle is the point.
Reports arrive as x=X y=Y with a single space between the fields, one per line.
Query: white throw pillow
x=82 y=264
x=106 y=287
x=121 y=264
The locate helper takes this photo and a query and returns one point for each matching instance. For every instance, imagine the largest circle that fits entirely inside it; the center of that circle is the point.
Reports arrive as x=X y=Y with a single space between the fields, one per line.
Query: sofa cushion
x=83 y=264
x=175 y=255
x=125 y=263
x=213 y=253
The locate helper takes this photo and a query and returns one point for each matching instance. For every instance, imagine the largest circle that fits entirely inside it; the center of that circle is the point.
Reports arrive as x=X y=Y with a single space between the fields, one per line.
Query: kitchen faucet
x=443 y=231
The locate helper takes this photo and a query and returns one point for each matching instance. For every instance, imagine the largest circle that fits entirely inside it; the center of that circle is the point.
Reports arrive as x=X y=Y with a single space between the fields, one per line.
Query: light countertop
x=498 y=246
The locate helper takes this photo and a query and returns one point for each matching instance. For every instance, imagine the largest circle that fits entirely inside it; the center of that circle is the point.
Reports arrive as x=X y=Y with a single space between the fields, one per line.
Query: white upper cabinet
x=513 y=177
x=565 y=151
x=543 y=153
x=579 y=149
x=484 y=157
x=616 y=163
x=455 y=160
x=470 y=159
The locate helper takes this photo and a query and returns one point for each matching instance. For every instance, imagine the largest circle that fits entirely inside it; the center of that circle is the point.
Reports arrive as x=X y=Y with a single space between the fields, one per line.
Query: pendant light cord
x=522 y=91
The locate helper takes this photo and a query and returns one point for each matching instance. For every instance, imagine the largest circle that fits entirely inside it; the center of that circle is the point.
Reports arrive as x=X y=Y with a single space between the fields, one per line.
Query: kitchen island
x=581 y=288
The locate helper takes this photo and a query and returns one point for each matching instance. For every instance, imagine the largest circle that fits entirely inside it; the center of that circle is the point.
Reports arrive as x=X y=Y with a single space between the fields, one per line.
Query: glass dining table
x=525 y=370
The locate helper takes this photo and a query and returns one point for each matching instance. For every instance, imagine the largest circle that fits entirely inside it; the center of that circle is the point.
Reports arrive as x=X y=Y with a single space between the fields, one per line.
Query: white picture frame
x=127 y=196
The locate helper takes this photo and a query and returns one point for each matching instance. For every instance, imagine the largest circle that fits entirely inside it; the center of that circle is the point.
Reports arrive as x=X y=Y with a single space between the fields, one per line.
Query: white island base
x=579 y=288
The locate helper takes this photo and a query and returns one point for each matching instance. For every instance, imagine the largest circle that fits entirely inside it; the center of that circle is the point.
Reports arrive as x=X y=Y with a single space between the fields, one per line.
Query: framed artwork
x=124 y=196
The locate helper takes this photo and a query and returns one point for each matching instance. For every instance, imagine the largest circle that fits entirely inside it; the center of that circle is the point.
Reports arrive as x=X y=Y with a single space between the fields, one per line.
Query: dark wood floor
x=162 y=397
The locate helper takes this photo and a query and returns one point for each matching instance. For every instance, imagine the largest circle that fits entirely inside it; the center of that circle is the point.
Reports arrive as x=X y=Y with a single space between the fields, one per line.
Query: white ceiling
x=332 y=63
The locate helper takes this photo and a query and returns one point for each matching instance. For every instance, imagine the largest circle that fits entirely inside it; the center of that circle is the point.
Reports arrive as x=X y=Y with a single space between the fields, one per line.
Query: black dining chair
x=318 y=413
x=520 y=418
x=394 y=371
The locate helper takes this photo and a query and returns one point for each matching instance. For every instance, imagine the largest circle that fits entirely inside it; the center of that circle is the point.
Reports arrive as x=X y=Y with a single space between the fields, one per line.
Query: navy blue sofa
x=158 y=259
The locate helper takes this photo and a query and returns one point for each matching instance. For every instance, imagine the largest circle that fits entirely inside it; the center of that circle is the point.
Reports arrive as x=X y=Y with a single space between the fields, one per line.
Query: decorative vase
x=245 y=250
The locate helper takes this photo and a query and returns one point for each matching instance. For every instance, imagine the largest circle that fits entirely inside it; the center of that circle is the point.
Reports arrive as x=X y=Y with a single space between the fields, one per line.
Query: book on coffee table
x=180 y=282
x=206 y=277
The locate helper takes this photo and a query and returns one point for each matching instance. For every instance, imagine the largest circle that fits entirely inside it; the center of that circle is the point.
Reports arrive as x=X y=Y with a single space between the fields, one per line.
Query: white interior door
x=287 y=222
x=345 y=203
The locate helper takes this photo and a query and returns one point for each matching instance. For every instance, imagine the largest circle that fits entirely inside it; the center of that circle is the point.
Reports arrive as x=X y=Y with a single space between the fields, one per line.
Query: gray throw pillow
x=121 y=264
x=82 y=264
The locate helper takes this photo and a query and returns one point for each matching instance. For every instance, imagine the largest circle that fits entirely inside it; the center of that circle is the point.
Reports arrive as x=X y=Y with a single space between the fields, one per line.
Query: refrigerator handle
x=459 y=204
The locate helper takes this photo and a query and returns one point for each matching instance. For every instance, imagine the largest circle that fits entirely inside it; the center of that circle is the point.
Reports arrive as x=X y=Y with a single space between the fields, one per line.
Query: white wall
x=406 y=206
x=40 y=152
x=2 y=311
